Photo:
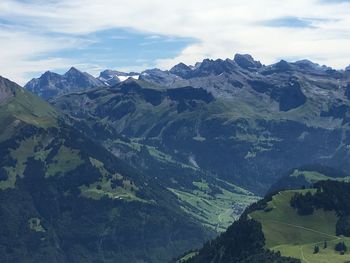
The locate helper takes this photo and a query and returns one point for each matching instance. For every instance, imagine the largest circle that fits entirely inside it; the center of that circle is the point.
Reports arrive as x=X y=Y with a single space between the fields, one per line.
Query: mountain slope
x=249 y=134
x=296 y=234
x=243 y=242
x=52 y=84
x=282 y=226
x=209 y=199
x=66 y=199
x=306 y=176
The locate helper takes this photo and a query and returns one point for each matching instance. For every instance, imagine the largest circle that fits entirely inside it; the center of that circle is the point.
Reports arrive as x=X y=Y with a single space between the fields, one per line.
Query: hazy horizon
x=54 y=35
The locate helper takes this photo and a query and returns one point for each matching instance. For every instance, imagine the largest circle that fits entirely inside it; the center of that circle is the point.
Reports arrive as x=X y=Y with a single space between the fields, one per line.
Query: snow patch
x=123 y=78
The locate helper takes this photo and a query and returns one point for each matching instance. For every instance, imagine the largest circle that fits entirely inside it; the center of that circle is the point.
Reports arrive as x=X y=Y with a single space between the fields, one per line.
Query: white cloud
x=23 y=53
x=222 y=28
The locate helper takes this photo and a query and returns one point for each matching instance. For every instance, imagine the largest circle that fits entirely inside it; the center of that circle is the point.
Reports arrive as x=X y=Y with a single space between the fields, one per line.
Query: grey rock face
x=241 y=78
x=247 y=61
x=284 y=85
x=81 y=79
x=51 y=84
x=181 y=70
x=158 y=76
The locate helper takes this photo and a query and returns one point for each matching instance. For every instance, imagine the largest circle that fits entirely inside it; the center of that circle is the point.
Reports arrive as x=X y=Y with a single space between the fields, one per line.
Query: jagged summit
x=51 y=84
x=181 y=70
x=77 y=78
x=73 y=71
x=227 y=74
x=214 y=67
x=246 y=61
x=49 y=74
x=283 y=65
x=307 y=63
x=180 y=66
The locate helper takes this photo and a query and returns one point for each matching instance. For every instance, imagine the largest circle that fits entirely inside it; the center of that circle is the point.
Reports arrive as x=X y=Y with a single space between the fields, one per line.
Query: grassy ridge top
x=294 y=235
x=21 y=106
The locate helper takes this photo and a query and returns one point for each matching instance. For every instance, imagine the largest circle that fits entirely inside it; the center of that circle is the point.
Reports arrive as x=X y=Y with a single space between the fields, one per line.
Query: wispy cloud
x=289 y=22
x=270 y=30
x=334 y=1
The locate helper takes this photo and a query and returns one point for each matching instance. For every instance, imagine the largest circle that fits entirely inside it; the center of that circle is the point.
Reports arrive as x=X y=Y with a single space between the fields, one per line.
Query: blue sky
x=120 y=48
x=92 y=35
x=295 y=22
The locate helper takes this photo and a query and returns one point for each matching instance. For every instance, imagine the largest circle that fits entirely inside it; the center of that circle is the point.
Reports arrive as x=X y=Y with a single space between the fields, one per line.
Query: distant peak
x=181 y=65
x=283 y=65
x=246 y=61
x=49 y=74
x=207 y=61
x=347 y=68
x=305 y=61
x=307 y=64
x=73 y=70
x=110 y=72
x=180 y=69
x=46 y=73
x=245 y=56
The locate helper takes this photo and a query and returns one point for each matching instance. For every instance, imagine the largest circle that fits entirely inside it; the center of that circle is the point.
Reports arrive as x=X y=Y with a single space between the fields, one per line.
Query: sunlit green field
x=296 y=236
x=215 y=211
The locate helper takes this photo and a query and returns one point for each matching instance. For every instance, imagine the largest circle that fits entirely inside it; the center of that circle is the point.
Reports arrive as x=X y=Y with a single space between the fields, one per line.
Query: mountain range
x=142 y=167
x=228 y=117
x=51 y=84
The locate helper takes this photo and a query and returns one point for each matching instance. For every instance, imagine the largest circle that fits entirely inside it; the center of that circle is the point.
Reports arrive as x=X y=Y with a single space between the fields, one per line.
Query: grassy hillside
x=212 y=201
x=215 y=210
x=64 y=198
x=296 y=236
x=243 y=242
x=229 y=138
x=308 y=175
x=305 y=225
x=23 y=107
